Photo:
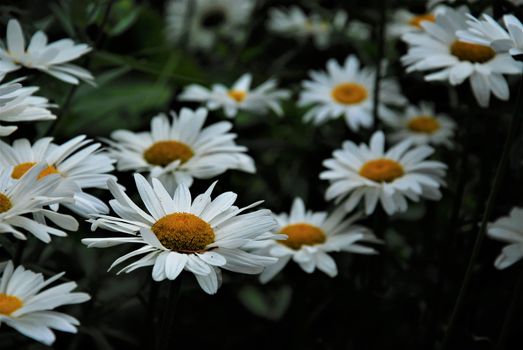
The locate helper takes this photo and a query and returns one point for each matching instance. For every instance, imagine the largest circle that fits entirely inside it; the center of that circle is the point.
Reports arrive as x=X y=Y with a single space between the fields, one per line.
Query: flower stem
x=170 y=313
x=509 y=317
x=514 y=127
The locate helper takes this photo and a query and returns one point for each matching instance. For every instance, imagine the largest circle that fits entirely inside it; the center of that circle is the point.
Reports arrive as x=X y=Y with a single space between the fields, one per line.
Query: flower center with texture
x=302 y=234
x=416 y=20
x=381 y=170
x=23 y=168
x=9 y=304
x=472 y=52
x=213 y=18
x=237 y=95
x=183 y=232
x=5 y=203
x=424 y=124
x=349 y=93
x=165 y=152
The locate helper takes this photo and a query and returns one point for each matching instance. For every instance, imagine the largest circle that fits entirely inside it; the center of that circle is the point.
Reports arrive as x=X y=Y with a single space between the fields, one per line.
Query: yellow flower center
x=381 y=170
x=302 y=234
x=237 y=95
x=165 y=152
x=23 y=168
x=471 y=52
x=5 y=203
x=9 y=304
x=349 y=93
x=416 y=20
x=183 y=232
x=424 y=124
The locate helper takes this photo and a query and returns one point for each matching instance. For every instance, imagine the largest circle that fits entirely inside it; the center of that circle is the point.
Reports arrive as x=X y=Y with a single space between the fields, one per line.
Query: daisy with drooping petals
x=178 y=233
x=370 y=174
x=29 y=195
x=311 y=236
x=28 y=308
x=508 y=229
x=80 y=164
x=439 y=49
x=206 y=21
x=347 y=91
x=240 y=97
x=177 y=152
x=423 y=126
x=18 y=105
x=48 y=58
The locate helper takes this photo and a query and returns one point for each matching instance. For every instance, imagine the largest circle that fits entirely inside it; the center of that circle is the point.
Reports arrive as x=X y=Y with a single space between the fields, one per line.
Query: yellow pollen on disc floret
x=302 y=234
x=416 y=20
x=183 y=232
x=424 y=124
x=349 y=93
x=237 y=95
x=5 y=203
x=471 y=52
x=9 y=304
x=23 y=168
x=381 y=170
x=165 y=152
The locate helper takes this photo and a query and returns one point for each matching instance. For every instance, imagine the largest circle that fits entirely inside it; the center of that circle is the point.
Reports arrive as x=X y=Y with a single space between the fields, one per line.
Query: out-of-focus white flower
x=240 y=97
x=508 y=229
x=48 y=58
x=205 y=21
x=369 y=174
x=28 y=308
x=177 y=152
x=17 y=104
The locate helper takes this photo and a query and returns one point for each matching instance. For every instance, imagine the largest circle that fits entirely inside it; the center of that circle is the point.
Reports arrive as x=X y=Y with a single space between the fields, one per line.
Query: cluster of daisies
x=172 y=229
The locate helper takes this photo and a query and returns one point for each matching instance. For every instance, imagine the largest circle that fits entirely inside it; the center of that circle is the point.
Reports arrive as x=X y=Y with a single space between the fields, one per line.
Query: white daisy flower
x=180 y=151
x=178 y=233
x=240 y=97
x=293 y=22
x=439 y=49
x=80 y=164
x=488 y=32
x=508 y=229
x=347 y=91
x=311 y=236
x=48 y=58
x=28 y=308
x=30 y=195
x=404 y=21
x=17 y=104
x=423 y=126
x=370 y=174
x=206 y=21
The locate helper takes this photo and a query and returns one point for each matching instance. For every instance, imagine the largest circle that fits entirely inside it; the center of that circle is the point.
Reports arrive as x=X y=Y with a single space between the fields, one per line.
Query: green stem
x=460 y=302
x=169 y=313
x=516 y=294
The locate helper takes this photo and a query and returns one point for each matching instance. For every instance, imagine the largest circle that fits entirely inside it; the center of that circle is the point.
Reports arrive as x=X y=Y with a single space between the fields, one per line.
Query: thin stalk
x=381 y=54
x=150 y=318
x=509 y=317
x=20 y=246
x=460 y=302
x=170 y=313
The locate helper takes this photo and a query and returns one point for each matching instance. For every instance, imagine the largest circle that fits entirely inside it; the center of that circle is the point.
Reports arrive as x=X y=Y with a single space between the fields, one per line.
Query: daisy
x=180 y=151
x=404 y=21
x=28 y=308
x=488 y=32
x=293 y=22
x=17 y=104
x=80 y=164
x=30 y=195
x=203 y=22
x=311 y=236
x=439 y=49
x=423 y=126
x=347 y=91
x=368 y=174
x=508 y=229
x=178 y=233
x=240 y=97
x=48 y=58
